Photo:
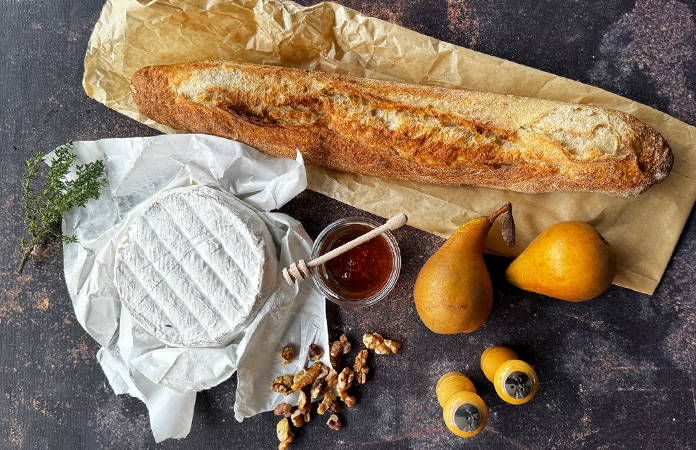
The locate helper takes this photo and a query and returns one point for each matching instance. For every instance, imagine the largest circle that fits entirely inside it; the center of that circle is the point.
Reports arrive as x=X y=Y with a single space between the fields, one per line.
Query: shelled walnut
x=335 y=407
x=345 y=380
x=287 y=354
x=380 y=345
x=331 y=379
x=285 y=435
x=306 y=376
x=315 y=352
x=320 y=384
x=283 y=385
x=326 y=403
x=334 y=422
x=283 y=410
x=305 y=404
x=341 y=346
x=297 y=418
x=360 y=367
x=349 y=400
x=338 y=349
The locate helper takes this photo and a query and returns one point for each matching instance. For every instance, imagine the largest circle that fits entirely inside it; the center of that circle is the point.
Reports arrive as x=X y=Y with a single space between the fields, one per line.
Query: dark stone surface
x=616 y=372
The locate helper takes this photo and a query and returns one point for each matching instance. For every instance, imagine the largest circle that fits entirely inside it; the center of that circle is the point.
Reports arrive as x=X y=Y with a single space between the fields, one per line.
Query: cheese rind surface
x=195 y=266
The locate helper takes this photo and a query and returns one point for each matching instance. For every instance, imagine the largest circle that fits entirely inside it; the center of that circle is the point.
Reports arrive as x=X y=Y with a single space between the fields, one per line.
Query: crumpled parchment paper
x=644 y=230
x=167 y=378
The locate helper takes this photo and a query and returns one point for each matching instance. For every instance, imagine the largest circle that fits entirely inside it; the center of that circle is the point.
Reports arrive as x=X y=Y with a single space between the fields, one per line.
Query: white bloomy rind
x=195 y=266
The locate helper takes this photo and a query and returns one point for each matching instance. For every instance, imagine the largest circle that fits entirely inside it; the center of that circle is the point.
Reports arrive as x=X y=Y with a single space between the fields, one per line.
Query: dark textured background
x=616 y=372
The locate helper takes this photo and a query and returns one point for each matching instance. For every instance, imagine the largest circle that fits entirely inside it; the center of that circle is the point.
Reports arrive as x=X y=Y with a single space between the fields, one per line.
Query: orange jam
x=361 y=271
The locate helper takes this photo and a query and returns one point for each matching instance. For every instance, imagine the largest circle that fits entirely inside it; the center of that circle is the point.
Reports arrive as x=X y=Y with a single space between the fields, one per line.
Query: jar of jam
x=363 y=275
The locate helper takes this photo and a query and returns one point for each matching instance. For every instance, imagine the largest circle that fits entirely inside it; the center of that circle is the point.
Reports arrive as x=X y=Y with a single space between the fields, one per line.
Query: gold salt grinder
x=464 y=412
x=515 y=381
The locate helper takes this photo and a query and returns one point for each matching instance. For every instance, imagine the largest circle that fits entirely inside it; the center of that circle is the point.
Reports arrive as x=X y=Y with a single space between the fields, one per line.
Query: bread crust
x=427 y=134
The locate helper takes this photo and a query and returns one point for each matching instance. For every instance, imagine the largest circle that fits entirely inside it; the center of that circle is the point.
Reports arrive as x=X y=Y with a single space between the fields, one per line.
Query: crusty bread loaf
x=427 y=134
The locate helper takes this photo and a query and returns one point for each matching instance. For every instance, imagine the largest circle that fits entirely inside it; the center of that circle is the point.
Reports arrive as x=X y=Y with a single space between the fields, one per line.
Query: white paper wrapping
x=167 y=378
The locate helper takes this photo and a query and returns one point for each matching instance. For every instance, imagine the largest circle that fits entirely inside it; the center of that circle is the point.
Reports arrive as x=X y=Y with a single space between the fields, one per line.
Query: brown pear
x=569 y=260
x=453 y=292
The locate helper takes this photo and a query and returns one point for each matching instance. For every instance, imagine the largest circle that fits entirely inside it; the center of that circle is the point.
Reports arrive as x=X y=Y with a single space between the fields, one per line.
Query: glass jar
x=362 y=276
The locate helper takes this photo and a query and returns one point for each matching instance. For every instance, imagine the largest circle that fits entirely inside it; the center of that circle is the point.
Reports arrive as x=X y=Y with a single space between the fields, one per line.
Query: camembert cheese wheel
x=195 y=266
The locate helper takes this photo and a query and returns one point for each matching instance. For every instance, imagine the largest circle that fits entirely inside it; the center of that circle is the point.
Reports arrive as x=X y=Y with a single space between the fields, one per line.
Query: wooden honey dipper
x=300 y=270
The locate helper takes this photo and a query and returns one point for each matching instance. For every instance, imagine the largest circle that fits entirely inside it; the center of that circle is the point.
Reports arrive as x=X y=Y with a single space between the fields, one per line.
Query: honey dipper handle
x=392 y=224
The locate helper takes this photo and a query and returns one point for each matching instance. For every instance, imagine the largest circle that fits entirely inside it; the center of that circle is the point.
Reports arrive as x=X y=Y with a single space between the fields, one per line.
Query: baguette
x=427 y=134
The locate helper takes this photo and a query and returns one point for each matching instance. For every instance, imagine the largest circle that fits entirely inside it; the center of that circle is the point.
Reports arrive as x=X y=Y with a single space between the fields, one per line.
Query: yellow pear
x=570 y=261
x=453 y=292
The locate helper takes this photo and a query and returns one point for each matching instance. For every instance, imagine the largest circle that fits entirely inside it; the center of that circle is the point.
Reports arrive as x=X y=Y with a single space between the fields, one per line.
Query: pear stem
x=502 y=210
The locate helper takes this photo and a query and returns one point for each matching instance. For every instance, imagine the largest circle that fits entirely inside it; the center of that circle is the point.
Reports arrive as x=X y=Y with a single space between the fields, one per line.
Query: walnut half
x=305 y=404
x=283 y=385
x=360 y=367
x=345 y=380
x=315 y=352
x=341 y=346
x=329 y=399
x=331 y=379
x=297 y=418
x=334 y=422
x=283 y=410
x=306 y=376
x=380 y=345
x=320 y=384
x=337 y=350
x=285 y=435
x=287 y=354
x=349 y=400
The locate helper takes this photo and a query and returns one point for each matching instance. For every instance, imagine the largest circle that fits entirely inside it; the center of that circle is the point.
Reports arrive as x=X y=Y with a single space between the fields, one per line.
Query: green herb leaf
x=44 y=208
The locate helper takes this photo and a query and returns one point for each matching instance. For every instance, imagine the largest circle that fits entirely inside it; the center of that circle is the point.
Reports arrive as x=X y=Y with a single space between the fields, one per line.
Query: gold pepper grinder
x=464 y=412
x=515 y=381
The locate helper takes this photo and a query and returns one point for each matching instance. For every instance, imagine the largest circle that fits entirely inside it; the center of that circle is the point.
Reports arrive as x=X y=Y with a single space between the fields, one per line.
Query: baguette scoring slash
x=427 y=134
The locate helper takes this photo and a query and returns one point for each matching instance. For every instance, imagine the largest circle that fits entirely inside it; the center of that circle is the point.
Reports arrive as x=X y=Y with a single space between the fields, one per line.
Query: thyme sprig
x=44 y=208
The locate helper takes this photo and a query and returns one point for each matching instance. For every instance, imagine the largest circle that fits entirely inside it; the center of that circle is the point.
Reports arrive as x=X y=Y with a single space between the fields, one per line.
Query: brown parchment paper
x=644 y=230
